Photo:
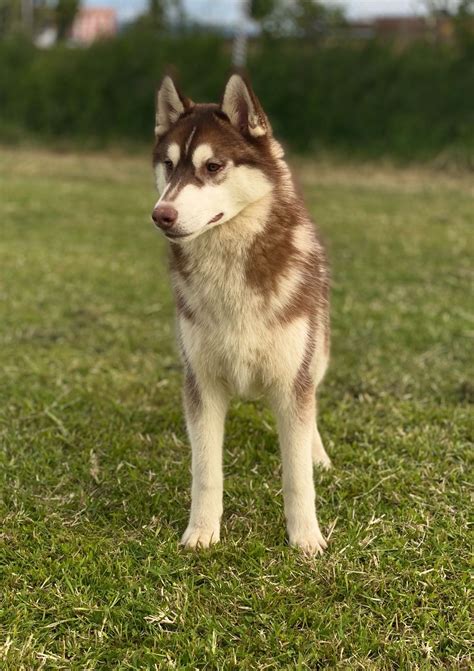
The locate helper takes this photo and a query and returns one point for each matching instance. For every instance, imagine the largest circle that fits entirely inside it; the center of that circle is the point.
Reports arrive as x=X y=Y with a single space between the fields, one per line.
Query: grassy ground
x=95 y=463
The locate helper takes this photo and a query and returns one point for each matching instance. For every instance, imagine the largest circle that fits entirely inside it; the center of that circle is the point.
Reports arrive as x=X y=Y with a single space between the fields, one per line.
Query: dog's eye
x=211 y=166
x=168 y=164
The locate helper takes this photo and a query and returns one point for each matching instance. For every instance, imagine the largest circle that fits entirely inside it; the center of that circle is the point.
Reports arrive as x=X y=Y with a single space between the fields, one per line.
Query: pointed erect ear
x=170 y=105
x=243 y=108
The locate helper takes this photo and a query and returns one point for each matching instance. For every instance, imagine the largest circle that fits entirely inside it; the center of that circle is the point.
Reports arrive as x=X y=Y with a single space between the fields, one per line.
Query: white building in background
x=46 y=38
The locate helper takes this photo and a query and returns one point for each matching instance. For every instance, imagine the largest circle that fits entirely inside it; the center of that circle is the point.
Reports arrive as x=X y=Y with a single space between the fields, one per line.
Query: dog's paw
x=322 y=461
x=309 y=540
x=196 y=538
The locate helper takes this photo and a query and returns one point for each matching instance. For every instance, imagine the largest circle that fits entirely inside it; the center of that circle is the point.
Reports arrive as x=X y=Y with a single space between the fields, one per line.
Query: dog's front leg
x=205 y=407
x=295 y=417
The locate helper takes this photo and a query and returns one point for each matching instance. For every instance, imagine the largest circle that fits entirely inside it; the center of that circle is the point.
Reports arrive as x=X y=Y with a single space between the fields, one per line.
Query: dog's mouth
x=177 y=235
x=216 y=218
x=180 y=236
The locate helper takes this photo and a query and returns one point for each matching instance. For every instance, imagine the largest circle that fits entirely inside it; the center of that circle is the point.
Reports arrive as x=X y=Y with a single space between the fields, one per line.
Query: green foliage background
x=368 y=99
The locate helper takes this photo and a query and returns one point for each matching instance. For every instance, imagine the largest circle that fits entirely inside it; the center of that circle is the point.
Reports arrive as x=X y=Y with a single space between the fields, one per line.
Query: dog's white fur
x=237 y=345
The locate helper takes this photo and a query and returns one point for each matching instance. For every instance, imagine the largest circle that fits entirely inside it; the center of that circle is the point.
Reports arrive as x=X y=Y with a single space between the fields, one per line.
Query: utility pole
x=239 y=50
x=27 y=16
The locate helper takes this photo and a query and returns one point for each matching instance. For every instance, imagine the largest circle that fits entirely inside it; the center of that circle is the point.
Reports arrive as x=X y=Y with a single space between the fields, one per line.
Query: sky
x=226 y=11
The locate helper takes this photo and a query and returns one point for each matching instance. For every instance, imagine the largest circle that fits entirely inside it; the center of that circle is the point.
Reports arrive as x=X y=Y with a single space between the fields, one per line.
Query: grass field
x=95 y=462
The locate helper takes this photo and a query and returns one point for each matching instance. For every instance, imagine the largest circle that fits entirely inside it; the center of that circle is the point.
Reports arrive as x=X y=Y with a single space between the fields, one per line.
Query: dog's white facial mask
x=215 y=198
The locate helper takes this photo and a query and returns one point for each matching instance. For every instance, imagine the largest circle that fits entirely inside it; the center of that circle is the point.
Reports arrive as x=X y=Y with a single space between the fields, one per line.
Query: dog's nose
x=164 y=216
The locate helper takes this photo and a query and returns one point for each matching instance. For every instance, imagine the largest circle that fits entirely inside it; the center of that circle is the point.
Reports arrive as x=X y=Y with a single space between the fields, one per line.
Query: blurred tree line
x=305 y=19
x=30 y=16
x=363 y=98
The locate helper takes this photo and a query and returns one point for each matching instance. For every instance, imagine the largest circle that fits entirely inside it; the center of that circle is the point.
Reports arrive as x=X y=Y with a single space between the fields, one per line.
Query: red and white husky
x=251 y=284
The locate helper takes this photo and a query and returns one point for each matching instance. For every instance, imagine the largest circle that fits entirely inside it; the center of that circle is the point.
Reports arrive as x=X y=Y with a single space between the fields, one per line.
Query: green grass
x=95 y=463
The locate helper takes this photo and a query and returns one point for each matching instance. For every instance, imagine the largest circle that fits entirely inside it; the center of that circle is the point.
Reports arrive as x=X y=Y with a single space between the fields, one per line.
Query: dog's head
x=211 y=161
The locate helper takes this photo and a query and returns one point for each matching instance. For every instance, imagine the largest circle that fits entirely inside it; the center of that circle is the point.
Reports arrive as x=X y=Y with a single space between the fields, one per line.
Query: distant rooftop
x=93 y=23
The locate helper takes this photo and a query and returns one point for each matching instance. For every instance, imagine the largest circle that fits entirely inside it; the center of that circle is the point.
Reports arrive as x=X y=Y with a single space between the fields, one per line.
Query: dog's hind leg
x=205 y=407
x=320 y=456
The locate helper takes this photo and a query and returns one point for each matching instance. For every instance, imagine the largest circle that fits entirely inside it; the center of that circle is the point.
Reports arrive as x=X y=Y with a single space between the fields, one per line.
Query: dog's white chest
x=233 y=339
x=228 y=339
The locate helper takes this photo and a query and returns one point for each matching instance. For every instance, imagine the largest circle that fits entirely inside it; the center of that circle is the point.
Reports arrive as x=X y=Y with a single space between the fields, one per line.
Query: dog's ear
x=170 y=105
x=243 y=108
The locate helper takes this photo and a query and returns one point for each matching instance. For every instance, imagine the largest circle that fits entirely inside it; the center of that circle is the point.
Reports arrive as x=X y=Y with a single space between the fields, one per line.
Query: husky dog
x=251 y=285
